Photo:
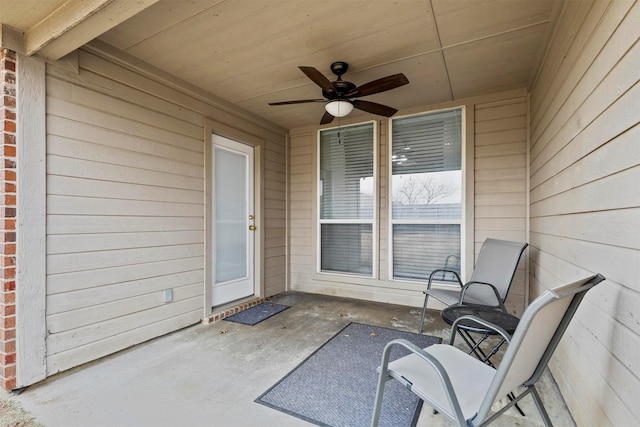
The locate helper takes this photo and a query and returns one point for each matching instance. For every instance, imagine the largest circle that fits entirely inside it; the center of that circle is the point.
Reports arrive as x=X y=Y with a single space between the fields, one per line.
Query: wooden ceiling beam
x=11 y=38
x=76 y=23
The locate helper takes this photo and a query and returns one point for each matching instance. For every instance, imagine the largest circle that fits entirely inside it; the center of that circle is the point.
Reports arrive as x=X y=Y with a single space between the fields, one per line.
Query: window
x=347 y=204
x=426 y=194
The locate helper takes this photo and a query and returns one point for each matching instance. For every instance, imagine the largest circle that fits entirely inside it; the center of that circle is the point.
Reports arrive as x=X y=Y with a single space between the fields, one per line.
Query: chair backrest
x=496 y=264
x=535 y=339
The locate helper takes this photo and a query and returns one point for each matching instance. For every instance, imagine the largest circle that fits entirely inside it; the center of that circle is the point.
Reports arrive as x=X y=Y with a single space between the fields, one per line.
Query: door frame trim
x=214 y=127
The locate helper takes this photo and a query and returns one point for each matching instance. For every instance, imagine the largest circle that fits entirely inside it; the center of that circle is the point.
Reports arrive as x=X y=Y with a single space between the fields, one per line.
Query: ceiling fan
x=339 y=95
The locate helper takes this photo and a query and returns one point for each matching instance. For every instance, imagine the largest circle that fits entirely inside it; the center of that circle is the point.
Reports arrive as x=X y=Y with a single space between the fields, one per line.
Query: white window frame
x=466 y=187
x=373 y=221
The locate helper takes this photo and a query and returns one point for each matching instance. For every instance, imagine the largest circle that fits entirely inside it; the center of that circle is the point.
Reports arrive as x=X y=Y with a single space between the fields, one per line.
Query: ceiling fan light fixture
x=338 y=108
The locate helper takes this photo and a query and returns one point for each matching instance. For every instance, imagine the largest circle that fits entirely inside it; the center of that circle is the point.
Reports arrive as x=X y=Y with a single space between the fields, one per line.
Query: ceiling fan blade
x=379 y=85
x=318 y=78
x=326 y=118
x=375 y=108
x=299 y=101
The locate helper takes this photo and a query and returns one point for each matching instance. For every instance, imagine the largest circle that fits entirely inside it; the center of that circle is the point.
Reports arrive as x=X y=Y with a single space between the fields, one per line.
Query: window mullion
x=426 y=221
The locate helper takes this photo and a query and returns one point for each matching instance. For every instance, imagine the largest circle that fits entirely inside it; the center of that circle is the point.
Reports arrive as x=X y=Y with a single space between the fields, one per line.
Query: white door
x=233 y=221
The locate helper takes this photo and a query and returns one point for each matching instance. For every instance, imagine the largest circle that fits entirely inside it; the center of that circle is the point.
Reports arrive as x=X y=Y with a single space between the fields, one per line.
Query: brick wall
x=7 y=219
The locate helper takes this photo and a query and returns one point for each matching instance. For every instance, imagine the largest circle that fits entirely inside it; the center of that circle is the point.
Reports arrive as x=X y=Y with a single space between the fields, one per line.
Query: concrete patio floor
x=209 y=375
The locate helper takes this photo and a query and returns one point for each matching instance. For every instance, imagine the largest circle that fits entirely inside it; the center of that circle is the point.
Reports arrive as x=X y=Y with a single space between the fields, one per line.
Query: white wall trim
x=31 y=225
x=468 y=256
x=527 y=213
x=287 y=204
x=211 y=127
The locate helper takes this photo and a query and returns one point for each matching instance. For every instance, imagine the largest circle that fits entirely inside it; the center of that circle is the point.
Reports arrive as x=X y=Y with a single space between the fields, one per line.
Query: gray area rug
x=336 y=385
x=257 y=314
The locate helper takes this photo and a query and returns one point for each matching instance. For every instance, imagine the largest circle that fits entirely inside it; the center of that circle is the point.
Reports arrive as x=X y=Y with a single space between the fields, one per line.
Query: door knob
x=252 y=228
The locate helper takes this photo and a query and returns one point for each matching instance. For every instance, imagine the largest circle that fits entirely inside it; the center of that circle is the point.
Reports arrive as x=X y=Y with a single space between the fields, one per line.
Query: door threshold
x=224 y=311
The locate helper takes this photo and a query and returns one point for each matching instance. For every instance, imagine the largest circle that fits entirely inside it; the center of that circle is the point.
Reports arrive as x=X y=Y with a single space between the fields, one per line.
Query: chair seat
x=451 y=296
x=469 y=377
x=465 y=389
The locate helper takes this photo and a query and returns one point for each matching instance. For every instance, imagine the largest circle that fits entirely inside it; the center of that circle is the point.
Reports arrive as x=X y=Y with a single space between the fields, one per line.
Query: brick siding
x=8 y=220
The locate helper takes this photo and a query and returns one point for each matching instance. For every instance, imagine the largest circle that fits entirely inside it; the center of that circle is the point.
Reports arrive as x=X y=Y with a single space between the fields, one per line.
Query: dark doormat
x=336 y=385
x=257 y=314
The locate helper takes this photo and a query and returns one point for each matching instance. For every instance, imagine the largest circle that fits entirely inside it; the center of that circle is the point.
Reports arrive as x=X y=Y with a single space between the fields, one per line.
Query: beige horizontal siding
x=125 y=208
x=500 y=181
x=585 y=212
x=85 y=179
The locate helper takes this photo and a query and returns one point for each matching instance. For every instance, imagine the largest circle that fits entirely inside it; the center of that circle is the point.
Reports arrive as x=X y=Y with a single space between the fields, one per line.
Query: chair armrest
x=442 y=270
x=432 y=362
x=488 y=325
x=467 y=285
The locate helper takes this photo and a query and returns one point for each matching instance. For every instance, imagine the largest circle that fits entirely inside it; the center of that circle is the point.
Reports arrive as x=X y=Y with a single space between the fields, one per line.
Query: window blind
x=427 y=143
x=426 y=184
x=346 y=168
x=346 y=205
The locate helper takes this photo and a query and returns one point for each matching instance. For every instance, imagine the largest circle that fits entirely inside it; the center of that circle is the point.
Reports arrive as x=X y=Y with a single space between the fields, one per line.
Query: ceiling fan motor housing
x=339 y=68
x=342 y=88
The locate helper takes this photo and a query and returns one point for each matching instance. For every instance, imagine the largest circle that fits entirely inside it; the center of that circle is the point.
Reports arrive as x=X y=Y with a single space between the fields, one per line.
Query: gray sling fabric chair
x=463 y=388
x=490 y=281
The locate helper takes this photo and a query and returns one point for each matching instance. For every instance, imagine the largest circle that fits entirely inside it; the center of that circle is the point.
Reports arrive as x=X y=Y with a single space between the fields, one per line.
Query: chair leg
x=377 y=406
x=424 y=312
x=511 y=397
x=513 y=401
x=540 y=406
x=474 y=346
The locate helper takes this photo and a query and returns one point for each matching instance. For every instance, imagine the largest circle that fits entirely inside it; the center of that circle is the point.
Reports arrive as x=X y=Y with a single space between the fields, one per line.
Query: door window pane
x=230 y=215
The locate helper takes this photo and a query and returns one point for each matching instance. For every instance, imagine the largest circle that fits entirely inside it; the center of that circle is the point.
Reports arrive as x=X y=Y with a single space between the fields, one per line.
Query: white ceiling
x=248 y=51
